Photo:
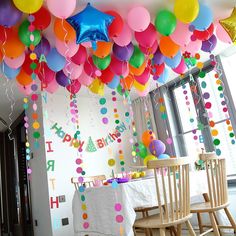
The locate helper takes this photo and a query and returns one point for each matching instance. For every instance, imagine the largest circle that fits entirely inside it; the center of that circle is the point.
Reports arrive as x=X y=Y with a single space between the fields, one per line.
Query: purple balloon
x=158 y=58
x=157 y=147
x=42 y=48
x=62 y=79
x=123 y=53
x=210 y=44
x=9 y=14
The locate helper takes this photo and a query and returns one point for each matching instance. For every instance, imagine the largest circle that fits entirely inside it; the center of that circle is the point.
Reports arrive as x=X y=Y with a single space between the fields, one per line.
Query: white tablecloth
x=100 y=203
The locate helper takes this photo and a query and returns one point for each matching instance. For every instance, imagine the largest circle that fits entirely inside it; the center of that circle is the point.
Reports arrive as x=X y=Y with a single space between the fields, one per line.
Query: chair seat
x=148 y=208
x=206 y=207
x=154 y=222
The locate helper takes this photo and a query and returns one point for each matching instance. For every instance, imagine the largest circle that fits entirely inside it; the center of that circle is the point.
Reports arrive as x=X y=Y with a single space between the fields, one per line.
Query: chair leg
x=162 y=231
x=214 y=225
x=135 y=233
x=199 y=219
x=179 y=230
x=230 y=217
x=190 y=228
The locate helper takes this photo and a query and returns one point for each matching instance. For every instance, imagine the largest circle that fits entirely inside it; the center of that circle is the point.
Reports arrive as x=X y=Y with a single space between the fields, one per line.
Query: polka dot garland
x=103 y=111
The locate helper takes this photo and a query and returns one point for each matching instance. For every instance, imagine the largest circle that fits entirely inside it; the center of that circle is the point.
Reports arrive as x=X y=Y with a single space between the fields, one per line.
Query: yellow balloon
x=140 y=87
x=186 y=11
x=28 y=6
x=97 y=87
x=148 y=158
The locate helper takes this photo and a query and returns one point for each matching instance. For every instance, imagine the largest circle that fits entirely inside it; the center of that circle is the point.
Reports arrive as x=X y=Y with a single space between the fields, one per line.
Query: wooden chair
x=88 y=181
x=173 y=193
x=217 y=196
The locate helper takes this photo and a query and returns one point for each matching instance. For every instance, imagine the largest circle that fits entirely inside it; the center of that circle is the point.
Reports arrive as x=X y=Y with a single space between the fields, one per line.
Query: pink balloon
x=143 y=93
x=87 y=44
x=144 y=77
x=181 y=68
x=61 y=8
x=73 y=71
x=74 y=87
x=118 y=67
x=89 y=68
x=125 y=37
x=85 y=79
x=81 y=56
x=149 y=50
x=192 y=47
x=181 y=35
x=24 y=89
x=138 y=18
x=67 y=49
x=147 y=37
x=52 y=87
x=221 y=34
x=15 y=63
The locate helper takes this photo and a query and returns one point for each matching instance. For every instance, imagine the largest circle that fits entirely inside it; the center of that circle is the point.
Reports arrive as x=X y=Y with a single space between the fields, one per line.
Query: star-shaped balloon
x=91 y=25
x=229 y=24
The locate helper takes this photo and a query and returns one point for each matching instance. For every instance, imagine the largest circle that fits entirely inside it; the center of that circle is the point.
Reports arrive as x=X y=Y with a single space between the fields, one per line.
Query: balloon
x=181 y=35
x=24 y=34
x=138 y=71
x=173 y=62
x=102 y=63
x=42 y=48
x=74 y=87
x=204 y=18
x=27 y=65
x=91 y=25
x=181 y=68
x=46 y=75
x=52 y=87
x=42 y=19
x=107 y=76
x=28 y=6
x=97 y=87
x=186 y=11
x=204 y=35
x=122 y=92
x=157 y=147
x=62 y=79
x=61 y=8
x=89 y=67
x=117 y=24
x=158 y=58
x=190 y=62
x=144 y=77
x=72 y=71
x=165 y=22
x=85 y=79
x=15 y=63
x=23 y=78
x=87 y=44
x=147 y=137
x=10 y=73
x=138 y=18
x=158 y=69
x=125 y=36
x=114 y=83
x=137 y=58
x=81 y=56
x=119 y=67
x=123 y=53
x=103 y=49
x=55 y=61
x=67 y=49
x=64 y=31
x=9 y=14
x=143 y=93
x=192 y=47
x=163 y=156
x=140 y=150
x=127 y=82
x=210 y=44
x=149 y=50
x=222 y=34
x=167 y=47
x=25 y=89
x=147 y=37
x=140 y=87
x=149 y=158
x=163 y=77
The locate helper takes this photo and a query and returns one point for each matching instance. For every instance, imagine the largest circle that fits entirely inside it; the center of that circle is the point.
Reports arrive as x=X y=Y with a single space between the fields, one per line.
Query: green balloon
x=119 y=90
x=102 y=63
x=24 y=34
x=137 y=59
x=165 y=22
x=142 y=150
x=192 y=61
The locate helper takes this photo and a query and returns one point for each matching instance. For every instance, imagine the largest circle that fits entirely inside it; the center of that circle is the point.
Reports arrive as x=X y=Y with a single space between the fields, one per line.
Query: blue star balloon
x=91 y=25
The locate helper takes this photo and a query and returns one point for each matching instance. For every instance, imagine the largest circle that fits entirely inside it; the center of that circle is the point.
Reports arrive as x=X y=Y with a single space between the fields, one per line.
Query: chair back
x=216 y=179
x=172 y=187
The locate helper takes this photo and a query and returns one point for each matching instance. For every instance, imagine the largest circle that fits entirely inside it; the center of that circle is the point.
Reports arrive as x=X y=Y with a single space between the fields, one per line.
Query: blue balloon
x=204 y=18
x=9 y=72
x=163 y=77
x=163 y=156
x=55 y=60
x=114 y=83
x=173 y=62
x=91 y=25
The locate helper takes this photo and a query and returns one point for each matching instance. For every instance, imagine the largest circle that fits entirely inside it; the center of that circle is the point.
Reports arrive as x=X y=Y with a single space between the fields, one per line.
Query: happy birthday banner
x=92 y=145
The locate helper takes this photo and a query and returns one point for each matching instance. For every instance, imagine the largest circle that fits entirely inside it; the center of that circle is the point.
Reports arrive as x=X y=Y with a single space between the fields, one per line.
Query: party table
x=101 y=203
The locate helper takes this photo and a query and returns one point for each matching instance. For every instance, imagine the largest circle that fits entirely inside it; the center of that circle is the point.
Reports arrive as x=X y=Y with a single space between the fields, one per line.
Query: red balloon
x=27 y=65
x=46 y=75
x=117 y=24
x=74 y=87
x=42 y=18
x=158 y=69
x=107 y=76
x=149 y=50
x=144 y=77
x=89 y=68
x=81 y=56
x=204 y=35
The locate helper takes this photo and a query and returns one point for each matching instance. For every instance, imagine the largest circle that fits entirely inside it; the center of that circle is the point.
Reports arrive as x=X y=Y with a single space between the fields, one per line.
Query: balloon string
x=3 y=49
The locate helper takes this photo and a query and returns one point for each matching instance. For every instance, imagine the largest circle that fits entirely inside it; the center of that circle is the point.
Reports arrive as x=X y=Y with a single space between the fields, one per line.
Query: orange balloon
x=12 y=46
x=138 y=71
x=103 y=49
x=63 y=30
x=127 y=82
x=147 y=137
x=23 y=78
x=1 y=56
x=168 y=47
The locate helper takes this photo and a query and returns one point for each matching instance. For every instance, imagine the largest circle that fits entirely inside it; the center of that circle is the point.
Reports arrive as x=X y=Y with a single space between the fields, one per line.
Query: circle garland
x=103 y=110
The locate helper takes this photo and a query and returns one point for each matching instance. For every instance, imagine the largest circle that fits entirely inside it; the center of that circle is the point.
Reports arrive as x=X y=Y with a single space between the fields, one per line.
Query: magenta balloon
x=193 y=47
x=181 y=68
x=125 y=37
x=144 y=77
x=123 y=53
x=149 y=50
x=15 y=63
x=157 y=147
x=72 y=70
x=147 y=37
x=81 y=56
x=67 y=49
x=210 y=44
x=85 y=79
x=46 y=75
x=42 y=48
x=158 y=58
x=118 y=67
x=74 y=87
x=52 y=86
x=89 y=68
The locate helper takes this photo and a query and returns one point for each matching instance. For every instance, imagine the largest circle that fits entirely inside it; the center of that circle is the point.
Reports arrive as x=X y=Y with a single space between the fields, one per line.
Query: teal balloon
x=102 y=63
x=165 y=22
x=163 y=156
x=174 y=62
x=142 y=150
x=24 y=34
x=163 y=77
x=115 y=82
x=137 y=58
